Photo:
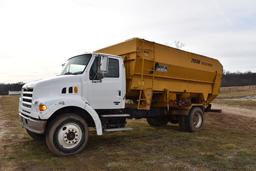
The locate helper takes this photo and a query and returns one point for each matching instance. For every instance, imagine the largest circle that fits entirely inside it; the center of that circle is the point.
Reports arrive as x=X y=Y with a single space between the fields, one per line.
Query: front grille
x=27 y=100
x=26 y=97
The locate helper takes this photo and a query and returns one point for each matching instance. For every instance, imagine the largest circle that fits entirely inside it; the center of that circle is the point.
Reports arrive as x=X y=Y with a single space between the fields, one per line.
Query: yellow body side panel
x=158 y=68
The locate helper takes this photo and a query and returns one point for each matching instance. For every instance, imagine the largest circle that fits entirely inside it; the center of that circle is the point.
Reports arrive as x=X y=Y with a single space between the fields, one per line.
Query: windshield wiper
x=71 y=73
x=76 y=73
x=67 y=73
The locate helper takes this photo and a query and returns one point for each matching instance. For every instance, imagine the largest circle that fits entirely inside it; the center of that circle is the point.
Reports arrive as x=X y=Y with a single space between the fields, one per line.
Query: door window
x=113 y=69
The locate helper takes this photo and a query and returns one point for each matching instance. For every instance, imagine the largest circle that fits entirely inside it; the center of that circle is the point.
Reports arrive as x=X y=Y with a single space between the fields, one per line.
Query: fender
x=75 y=101
x=95 y=118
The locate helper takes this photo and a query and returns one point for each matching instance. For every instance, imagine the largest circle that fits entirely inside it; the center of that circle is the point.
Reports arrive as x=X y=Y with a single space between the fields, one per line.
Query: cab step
x=115 y=115
x=117 y=129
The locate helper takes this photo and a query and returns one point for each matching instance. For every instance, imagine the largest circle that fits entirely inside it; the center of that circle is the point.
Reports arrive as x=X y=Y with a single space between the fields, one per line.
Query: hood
x=53 y=85
x=54 y=79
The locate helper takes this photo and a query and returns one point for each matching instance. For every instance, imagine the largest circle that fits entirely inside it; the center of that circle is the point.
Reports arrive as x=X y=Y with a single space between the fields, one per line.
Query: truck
x=134 y=79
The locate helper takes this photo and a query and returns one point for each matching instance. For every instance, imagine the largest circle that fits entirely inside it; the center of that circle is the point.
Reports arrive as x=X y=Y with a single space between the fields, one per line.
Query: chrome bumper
x=33 y=125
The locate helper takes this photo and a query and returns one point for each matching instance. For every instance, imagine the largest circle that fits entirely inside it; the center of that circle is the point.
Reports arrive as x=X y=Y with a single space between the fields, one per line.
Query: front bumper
x=33 y=125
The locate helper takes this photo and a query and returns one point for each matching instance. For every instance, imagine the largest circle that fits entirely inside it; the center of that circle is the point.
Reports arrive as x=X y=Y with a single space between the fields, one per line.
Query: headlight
x=42 y=107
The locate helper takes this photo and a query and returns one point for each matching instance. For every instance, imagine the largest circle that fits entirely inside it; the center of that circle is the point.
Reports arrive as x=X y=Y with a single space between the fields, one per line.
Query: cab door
x=105 y=91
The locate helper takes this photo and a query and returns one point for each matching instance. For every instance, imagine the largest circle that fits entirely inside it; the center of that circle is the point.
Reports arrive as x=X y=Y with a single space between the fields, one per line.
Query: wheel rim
x=69 y=135
x=197 y=120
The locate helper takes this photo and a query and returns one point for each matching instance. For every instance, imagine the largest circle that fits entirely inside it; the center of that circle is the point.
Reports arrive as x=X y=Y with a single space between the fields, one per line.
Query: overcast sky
x=36 y=37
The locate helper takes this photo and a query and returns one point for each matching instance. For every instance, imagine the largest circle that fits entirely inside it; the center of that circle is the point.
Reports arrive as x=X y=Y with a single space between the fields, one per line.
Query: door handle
x=119 y=92
x=116 y=103
x=96 y=81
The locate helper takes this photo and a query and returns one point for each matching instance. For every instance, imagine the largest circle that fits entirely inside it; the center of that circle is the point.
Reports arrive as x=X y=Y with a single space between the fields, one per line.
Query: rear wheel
x=194 y=121
x=183 y=123
x=173 y=119
x=67 y=134
x=157 y=121
x=35 y=136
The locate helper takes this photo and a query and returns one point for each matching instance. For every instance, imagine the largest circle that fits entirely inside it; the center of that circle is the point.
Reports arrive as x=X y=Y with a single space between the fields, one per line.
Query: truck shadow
x=124 y=138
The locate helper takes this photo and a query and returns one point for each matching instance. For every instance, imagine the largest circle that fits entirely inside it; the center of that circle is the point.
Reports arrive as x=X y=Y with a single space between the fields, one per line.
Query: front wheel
x=67 y=134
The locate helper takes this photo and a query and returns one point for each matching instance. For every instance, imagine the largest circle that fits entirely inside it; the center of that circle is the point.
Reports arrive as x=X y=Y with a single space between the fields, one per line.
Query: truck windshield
x=76 y=65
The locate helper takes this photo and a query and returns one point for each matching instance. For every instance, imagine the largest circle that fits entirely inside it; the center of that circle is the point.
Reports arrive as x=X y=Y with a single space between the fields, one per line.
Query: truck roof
x=96 y=53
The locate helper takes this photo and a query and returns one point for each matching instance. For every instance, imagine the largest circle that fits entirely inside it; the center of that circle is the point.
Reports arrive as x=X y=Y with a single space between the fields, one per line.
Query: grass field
x=227 y=142
x=243 y=96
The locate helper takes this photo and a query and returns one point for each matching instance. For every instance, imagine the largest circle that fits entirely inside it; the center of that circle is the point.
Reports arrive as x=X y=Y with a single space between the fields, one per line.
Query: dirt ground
x=235 y=110
x=227 y=142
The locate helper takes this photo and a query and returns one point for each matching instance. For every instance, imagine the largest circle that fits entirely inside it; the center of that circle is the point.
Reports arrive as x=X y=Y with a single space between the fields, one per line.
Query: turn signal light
x=75 y=89
x=42 y=107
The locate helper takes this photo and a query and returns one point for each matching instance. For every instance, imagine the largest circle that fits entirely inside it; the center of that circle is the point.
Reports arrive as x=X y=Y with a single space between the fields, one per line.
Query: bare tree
x=178 y=44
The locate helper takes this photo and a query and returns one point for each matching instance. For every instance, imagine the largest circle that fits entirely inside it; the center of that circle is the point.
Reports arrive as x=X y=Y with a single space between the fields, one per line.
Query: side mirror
x=99 y=76
x=103 y=64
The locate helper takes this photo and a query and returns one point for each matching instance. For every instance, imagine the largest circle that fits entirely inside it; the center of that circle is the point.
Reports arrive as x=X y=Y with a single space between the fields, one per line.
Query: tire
x=174 y=119
x=35 y=136
x=157 y=121
x=67 y=134
x=194 y=121
x=183 y=123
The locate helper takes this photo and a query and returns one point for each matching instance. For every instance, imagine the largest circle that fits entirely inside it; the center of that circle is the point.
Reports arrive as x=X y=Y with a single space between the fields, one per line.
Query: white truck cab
x=63 y=107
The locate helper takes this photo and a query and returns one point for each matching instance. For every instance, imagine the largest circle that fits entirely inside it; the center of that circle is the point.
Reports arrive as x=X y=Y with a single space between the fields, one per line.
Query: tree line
x=5 y=88
x=228 y=79
x=238 y=79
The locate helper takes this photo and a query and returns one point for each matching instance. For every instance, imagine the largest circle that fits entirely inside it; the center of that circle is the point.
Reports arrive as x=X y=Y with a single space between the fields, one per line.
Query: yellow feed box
x=162 y=76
